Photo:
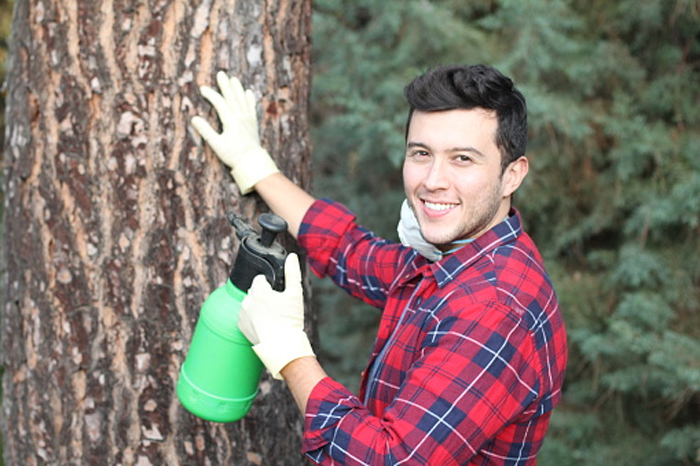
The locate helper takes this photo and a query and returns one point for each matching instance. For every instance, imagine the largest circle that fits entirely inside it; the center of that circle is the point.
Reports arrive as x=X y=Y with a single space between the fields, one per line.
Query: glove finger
x=292 y=274
x=225 y=87
x=222 y=82
x=233 y=92
x=204 y=128
x=245 y=323
x=254 y=304
x=259 y=287
x=238 y=93
x=218 y=101
x=251 y=105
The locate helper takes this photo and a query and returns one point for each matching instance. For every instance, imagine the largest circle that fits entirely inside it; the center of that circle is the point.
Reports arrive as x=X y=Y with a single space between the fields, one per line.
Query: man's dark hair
x=475 y=86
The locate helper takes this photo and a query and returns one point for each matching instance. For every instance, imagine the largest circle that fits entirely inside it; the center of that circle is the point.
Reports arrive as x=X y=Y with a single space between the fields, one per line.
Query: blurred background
x=612 y=198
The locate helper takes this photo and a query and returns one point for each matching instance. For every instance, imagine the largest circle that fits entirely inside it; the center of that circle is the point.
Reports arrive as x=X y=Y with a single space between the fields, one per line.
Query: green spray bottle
x=219 y=378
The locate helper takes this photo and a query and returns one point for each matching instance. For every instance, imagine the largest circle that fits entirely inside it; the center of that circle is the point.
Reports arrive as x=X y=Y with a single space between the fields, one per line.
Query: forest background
x=612 y=199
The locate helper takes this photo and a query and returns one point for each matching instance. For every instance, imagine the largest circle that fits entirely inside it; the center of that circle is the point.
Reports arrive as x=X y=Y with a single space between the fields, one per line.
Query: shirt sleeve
x=358 y=261
x=474 y=383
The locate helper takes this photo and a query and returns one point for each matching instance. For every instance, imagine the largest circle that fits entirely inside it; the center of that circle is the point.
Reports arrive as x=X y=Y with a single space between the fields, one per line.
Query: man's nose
x=437 y=175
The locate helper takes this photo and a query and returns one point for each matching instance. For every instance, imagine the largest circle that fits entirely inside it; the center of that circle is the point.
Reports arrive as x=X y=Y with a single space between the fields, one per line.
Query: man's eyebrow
x=470 y=149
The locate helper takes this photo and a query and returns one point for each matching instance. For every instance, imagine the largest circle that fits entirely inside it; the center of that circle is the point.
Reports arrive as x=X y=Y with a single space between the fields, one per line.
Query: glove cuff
x=254 y=166
x=278 y=352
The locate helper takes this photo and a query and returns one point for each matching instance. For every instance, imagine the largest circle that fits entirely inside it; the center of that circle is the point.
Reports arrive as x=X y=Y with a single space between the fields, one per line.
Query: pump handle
x=272 y=225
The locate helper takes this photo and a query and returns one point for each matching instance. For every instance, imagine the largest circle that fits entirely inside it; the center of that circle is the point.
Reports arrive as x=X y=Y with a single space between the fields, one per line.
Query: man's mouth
x=439 y=206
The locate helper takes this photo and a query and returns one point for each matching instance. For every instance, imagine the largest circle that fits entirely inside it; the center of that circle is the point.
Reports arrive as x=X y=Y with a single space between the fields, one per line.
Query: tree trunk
x=115 y=226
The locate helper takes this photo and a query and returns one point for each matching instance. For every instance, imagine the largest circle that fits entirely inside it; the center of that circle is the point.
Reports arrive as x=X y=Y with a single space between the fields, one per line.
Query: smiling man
x=470 y=353
x=453 y=176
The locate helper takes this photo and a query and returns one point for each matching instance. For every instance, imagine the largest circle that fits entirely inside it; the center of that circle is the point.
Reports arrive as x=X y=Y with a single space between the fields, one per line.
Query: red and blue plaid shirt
x=470 y=353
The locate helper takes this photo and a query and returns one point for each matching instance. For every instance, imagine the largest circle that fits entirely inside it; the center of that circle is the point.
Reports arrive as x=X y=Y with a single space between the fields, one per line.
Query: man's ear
x=514 y=175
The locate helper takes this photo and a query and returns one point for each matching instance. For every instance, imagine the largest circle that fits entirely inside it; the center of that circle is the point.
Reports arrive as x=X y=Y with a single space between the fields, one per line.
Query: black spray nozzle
x=242 y=228
x=259 y=253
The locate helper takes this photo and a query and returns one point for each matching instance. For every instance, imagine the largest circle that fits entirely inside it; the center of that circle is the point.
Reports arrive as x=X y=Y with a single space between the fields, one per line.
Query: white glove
x=274 y=321
x=238 y=145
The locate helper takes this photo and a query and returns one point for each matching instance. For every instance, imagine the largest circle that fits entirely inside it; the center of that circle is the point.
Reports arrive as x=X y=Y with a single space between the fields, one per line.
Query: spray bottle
x=219 y=378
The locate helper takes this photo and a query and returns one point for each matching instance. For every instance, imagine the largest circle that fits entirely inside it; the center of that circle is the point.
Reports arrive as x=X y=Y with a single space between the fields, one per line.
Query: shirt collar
x=506 y=231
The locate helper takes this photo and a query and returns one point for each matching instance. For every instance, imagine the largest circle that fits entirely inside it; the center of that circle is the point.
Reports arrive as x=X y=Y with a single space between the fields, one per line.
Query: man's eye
x=464 y=158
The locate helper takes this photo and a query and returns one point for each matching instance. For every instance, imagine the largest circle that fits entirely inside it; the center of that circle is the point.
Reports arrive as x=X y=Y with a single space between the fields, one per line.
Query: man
x=471 y=348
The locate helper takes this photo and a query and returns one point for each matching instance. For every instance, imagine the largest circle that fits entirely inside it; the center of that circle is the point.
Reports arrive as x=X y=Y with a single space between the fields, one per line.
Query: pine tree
x=613 y=197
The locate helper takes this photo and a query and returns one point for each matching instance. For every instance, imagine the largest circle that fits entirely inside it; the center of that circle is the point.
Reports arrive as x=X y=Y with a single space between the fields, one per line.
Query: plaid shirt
x=469 y=357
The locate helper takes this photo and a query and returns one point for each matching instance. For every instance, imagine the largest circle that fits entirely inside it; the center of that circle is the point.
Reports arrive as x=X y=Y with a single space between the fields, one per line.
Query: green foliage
x=365 y=53
x=612 y=199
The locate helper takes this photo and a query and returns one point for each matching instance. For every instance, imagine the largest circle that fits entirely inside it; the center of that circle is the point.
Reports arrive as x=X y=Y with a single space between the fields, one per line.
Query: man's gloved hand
x=274 y=321
x=238 y=145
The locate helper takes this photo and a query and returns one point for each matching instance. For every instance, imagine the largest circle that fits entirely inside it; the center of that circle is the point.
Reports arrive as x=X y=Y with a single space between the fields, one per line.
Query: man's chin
x=439 y=242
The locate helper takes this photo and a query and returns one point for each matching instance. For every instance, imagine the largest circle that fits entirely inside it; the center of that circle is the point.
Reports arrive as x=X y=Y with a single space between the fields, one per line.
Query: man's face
x=452 y=174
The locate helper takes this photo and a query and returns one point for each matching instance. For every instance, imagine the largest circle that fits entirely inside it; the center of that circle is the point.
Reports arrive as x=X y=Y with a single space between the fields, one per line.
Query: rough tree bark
x=115 y=226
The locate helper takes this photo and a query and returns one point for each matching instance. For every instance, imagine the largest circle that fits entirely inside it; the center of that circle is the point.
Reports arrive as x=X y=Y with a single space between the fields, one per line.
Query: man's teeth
x=433 y=206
